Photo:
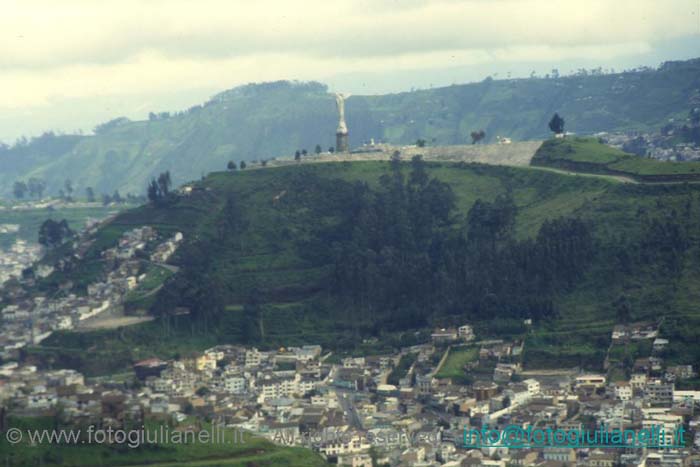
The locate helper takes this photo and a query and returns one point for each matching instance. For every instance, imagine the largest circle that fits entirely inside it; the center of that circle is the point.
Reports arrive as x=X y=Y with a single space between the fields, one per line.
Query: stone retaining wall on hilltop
x=513 y=154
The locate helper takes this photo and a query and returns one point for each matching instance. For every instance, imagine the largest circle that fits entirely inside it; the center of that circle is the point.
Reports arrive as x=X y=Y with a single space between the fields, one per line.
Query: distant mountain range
x=262 y=121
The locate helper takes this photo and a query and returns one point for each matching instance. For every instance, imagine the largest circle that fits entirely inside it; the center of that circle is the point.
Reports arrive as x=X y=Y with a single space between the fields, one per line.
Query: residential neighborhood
x=18 y=257
x=343 y=408
x=659 y=146
x=410 y=407
x=346 y=409
x=419 y=233
x=32 y=317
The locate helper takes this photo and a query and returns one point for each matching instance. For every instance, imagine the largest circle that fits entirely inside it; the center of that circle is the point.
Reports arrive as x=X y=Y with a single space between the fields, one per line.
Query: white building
x=659 y=392
x=252 y=357
x=638 y=381
x=235 y=384
x=590 y=381
x=533 y=386
x=623 y=391
x=466 y=332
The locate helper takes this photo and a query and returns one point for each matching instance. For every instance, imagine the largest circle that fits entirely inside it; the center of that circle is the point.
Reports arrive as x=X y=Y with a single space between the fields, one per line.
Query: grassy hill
x=587 y=155
x=257 y=122
x=29 y=220
x=262 y=251
x=237 y=450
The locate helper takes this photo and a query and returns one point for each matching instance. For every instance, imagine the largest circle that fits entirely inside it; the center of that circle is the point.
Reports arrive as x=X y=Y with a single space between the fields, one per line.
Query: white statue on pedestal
x=340 y=101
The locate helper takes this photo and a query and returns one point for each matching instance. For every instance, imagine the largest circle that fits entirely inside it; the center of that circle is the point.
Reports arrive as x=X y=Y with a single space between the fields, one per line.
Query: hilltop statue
x=341 y=133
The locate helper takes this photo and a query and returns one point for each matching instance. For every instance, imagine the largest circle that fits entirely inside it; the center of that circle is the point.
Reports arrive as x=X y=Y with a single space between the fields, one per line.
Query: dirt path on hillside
x=612 y=178
x=517 y=154
x=112 y=322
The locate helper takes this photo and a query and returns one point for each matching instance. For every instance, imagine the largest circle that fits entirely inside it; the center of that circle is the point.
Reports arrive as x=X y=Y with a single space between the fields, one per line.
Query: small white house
x=623 y=391
x=466 y=332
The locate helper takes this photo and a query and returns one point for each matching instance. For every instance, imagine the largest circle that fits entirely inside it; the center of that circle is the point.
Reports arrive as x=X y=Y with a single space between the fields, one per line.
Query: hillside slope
x=587 y=155
x=274 y=119
x=309 y=254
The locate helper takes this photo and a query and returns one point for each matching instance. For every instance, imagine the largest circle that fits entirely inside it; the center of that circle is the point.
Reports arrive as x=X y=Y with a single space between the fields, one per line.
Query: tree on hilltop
x=556 y=124
x=152 y=191
x=36 y=187
x=19 y=189
x=157 y=190
x=164 y=183
x=477 y=136
x=68 y=185
x=53 y=233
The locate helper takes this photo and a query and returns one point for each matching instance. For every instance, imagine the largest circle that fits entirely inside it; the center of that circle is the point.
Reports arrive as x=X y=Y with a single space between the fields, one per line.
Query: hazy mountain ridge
x=261 y=121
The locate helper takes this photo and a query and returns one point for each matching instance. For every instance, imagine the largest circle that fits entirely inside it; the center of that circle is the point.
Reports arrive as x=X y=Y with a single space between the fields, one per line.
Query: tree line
x=35 y=187
x=407 y=260
x=401 y=256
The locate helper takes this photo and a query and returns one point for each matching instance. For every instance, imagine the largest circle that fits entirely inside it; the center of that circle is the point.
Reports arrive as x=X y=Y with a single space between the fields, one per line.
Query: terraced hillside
x=264 y=262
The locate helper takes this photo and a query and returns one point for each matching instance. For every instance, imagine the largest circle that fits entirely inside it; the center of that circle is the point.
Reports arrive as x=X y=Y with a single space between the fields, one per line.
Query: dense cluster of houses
x=17 y=258
x=31 y=318
x=653 y=145
x=344 y=408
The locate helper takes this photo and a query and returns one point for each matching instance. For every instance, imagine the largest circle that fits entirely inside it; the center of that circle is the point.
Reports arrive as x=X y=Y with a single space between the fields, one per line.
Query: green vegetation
x=30 y=220
x=236 y=125
x=260 y=247
x=457 y=359
x=54 y=233
x=401 y=370
x=692 y=384
x=143 y=296
x=114 y=351
x=589 y=156
x=621 y=358
x=236 y=452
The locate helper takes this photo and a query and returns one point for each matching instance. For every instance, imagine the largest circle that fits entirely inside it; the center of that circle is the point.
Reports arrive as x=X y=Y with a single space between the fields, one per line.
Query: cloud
x=81 y=48
x=48 y=34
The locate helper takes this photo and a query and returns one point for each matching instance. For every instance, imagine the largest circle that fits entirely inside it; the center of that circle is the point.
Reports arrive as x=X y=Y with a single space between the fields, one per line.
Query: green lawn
x=233 y=451
x=402 y=368
x=457 y=358
x=30 y=220
x=144 y=294
x=588 y=155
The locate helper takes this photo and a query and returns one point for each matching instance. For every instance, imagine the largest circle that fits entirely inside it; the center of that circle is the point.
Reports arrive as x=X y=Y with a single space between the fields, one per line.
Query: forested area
x=400 y=254
x=407 y=259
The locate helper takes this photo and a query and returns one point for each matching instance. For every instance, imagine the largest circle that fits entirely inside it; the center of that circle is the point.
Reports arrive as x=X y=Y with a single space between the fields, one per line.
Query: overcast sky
x=71 y=64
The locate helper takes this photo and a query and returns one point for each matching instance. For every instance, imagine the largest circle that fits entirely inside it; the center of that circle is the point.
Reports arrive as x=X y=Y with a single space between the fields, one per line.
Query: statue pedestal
x=341 y=142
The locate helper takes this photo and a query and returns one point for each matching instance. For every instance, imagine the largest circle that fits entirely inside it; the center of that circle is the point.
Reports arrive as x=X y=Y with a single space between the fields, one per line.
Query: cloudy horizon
x=71 y=65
